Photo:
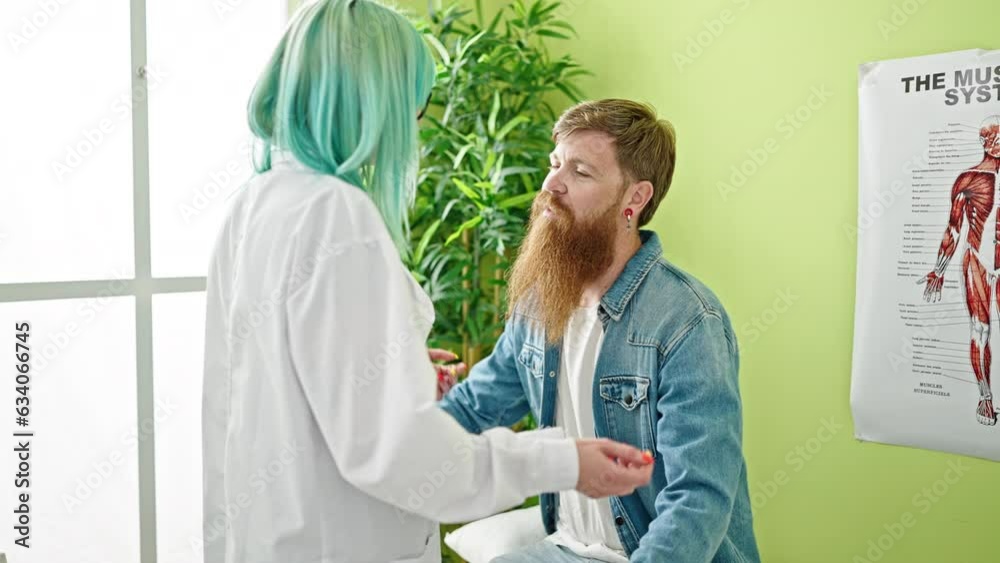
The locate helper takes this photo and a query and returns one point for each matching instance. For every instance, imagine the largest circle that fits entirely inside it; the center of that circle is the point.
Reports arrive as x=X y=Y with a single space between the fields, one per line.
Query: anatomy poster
x=928 y=281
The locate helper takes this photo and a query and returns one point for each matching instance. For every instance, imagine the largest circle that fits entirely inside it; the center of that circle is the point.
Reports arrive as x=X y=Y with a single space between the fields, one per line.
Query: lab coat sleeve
x=357 y=337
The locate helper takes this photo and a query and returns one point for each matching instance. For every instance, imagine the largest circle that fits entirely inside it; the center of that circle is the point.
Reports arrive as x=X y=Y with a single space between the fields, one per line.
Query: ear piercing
x=628 y=217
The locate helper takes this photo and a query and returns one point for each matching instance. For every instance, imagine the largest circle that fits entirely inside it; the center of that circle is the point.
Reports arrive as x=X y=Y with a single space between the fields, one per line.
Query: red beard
x=558 y=258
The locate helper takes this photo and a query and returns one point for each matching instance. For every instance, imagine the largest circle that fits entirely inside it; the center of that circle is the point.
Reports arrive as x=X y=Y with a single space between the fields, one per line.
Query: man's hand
x=609 y=468
x=447 y=376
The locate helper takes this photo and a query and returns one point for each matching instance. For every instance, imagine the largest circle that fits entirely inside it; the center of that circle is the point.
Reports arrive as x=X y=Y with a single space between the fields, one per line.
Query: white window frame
x=143 y=286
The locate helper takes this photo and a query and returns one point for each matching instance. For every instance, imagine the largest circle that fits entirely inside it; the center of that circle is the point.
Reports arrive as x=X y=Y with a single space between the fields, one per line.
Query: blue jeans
x=543 y=552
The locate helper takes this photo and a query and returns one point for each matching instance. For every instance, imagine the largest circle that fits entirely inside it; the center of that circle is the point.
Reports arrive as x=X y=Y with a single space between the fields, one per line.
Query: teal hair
x=341 y=93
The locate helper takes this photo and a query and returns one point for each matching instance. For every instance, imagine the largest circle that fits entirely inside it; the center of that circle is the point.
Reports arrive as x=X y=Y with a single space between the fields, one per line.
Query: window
x=67 y=145
x=206 y=60
x=125 y=132
x=84 y=470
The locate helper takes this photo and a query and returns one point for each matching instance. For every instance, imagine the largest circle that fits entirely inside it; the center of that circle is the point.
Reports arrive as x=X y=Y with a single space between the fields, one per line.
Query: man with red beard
x=605 y=338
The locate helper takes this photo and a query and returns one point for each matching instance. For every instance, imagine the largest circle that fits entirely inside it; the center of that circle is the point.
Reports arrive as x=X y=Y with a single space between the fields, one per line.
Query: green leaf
x=573 y=88
x=438 y=268
x=439 y=47
x=471 y=223
x=577 y=72
x=562 y=25
x=518 y=170
x=472 y=41
x=496 y=179
x=461 y=155
x=491 y=159
x=473 y=327
x=501 y=175
x=469 y=192
x=447 y=209
x=548 y=9
x=506 y=129
x=492 y=123
x=418 y=255
x=526 y=181
x=549 y=33
x=517 y=201
x=565 y=90
x=496 y=19
x=518 y=8
x=444 y=128
x=533 y=14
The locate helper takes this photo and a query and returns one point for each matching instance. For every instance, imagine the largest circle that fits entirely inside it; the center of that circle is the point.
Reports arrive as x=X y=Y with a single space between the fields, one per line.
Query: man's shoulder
x=671 y=301
x=676 y=286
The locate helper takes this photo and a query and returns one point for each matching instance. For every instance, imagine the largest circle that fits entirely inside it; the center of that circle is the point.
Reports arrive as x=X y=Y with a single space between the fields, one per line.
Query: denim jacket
x=665 y=381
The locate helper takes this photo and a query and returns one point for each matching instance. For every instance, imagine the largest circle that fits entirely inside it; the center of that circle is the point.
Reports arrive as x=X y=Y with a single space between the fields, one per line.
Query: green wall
x=777 y=252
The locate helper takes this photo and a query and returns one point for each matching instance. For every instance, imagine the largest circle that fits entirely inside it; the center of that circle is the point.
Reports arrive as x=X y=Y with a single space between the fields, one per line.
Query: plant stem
x=497 y=276
x=467 y=287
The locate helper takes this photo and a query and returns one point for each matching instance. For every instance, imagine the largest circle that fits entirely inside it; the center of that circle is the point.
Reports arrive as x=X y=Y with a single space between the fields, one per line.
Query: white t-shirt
x=585 y=525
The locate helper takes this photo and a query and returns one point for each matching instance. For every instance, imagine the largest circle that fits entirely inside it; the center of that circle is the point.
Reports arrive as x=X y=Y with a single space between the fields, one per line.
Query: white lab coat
x=322 y=442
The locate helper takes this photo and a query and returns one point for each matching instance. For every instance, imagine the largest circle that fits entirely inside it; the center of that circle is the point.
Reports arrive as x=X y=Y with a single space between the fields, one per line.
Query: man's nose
x=553 y=184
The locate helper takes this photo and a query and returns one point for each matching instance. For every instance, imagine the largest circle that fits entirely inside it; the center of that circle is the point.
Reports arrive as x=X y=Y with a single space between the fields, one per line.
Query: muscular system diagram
x=973 y=230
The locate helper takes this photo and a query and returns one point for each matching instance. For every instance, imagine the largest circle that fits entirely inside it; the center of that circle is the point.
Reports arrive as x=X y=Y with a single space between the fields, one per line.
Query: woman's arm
x=356 y=335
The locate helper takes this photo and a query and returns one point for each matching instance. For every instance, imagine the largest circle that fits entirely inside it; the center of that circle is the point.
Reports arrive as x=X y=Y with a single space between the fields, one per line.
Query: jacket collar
x=615 y=300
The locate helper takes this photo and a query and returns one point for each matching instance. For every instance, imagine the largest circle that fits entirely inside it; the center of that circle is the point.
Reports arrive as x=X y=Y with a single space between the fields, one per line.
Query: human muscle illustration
x=974 y=218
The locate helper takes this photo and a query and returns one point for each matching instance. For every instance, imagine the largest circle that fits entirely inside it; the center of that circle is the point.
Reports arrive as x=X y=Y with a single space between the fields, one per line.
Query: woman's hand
x=447 y=376
x=610 y=468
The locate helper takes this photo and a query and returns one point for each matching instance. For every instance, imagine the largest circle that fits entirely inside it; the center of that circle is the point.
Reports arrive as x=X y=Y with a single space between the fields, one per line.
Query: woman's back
x=273 y=488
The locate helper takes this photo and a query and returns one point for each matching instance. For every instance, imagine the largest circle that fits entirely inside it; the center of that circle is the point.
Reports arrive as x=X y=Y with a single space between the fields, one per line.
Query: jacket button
x=628 y=400
x=619 y=520
x=552 y=374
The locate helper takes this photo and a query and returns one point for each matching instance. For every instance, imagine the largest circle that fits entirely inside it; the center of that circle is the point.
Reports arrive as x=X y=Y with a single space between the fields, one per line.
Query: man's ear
x=641 y=192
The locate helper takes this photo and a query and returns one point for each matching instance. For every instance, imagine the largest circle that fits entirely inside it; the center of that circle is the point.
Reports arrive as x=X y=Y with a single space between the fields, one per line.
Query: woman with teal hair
x=322 y=441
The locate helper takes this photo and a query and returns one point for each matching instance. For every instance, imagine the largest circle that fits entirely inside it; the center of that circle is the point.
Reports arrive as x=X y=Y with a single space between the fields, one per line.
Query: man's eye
x=582 y=173
x=553 y=167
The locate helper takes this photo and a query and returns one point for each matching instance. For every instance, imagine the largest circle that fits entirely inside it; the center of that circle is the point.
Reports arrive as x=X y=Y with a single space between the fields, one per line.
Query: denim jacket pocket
x=627 y=410
x=533 y=360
